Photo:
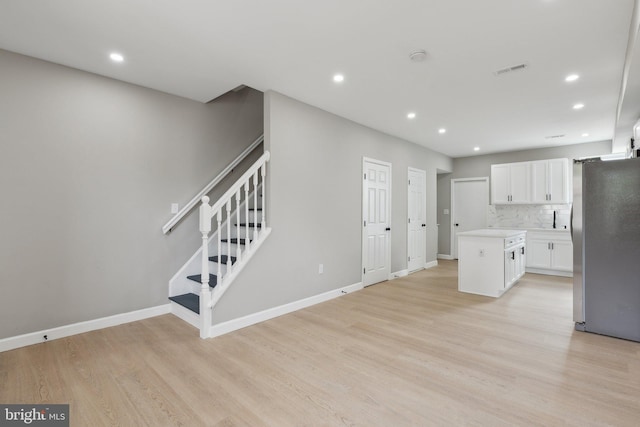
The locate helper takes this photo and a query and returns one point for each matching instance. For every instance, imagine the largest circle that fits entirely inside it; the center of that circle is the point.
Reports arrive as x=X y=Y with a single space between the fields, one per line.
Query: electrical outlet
x=174 y=208
x=445 y=212
x=320 y=268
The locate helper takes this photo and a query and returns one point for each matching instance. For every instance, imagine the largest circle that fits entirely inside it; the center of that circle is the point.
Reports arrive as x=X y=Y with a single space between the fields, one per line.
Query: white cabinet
x=549 y=253
x=510 y=183
x=550 y=181
x=490 y=261
x=539 y=182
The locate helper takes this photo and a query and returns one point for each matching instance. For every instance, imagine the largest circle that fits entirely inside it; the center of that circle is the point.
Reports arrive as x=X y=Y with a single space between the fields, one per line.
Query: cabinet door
x=558 y=180
x=509 y=268
x=519 y=174
x=538 y=254
x=520 y=262
x=539 y=187
x=500 y=184
x=562 y=255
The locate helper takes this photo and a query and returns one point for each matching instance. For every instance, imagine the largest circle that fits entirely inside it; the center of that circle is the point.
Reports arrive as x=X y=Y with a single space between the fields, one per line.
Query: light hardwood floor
x=410 y=352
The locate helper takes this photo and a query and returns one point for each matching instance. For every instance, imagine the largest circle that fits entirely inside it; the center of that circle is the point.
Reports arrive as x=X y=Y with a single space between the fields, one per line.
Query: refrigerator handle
x=571 y=223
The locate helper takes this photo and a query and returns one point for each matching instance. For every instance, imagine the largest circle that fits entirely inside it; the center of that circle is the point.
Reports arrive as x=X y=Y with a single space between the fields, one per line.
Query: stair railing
x=252 y=181
x=194 y=201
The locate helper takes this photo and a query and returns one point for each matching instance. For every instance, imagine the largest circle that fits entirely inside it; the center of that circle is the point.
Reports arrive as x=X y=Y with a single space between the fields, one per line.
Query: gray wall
x=88 y=169
x=480 y=166
x=315 y=199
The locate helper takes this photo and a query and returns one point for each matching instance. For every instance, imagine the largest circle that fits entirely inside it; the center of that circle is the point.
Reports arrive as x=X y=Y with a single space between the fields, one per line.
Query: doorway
x=469 y=204
x=376 y=221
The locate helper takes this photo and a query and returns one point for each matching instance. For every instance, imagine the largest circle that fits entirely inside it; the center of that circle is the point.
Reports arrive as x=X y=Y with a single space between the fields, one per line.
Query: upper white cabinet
x=550 y=181
x=539 y=182
x=510 y=183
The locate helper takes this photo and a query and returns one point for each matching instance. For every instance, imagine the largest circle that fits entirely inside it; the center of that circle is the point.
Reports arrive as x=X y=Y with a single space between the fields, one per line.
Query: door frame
x=423 y=173
x=453 y=207
x=366 y=160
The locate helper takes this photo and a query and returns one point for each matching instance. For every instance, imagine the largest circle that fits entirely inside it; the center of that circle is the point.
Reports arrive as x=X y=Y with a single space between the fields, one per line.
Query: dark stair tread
x=190 y=301
x=213 y=280
x=235 y=241
x=251 y=224
x=223 y=259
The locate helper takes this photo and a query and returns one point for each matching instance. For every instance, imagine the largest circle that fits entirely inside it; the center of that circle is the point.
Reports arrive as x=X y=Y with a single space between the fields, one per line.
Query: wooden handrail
x=196 y=199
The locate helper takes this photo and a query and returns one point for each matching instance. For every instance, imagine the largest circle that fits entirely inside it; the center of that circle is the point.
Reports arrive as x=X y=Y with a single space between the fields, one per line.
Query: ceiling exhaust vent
x=518 y=67
x=555 y=136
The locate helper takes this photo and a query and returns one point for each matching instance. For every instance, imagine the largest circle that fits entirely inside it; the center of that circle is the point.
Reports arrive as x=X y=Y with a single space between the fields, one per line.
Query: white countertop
x=493 y=232
x=553 y=230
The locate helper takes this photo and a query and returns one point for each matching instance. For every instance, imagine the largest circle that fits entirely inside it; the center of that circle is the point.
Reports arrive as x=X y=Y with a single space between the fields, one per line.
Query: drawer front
x=513 y=241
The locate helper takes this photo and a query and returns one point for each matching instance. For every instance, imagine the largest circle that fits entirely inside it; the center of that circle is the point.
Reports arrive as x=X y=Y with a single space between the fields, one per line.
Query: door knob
x=387 y=229
x=457 y=224
x=424 y=225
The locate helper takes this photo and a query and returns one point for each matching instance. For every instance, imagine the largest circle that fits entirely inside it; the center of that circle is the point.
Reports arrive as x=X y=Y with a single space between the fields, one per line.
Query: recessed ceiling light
x=571 y=78
x=338 y=78
x=585 y=134
x=442 y=130
x=116 y=57
x=578 y=106
x=476 y=148
x=411 y=115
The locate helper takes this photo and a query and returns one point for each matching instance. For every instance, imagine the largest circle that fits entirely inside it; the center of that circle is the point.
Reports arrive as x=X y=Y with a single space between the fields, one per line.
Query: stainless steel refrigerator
x=606 y=247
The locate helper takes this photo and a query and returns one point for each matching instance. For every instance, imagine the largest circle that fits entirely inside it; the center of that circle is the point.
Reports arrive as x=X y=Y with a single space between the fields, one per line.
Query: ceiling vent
x=513 y=68
x=555 y=136
x=418 y=55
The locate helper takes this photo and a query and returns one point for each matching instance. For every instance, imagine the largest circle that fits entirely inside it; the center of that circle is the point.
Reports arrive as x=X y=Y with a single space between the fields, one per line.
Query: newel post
x=205 y=290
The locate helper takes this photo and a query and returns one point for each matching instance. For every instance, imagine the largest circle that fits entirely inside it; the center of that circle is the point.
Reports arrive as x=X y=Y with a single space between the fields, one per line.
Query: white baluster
x=263 y=172
x=205 y=291
x=238 y=250
x=246 y=205
x=228 y=238
x=255 y=204
x=218 y=217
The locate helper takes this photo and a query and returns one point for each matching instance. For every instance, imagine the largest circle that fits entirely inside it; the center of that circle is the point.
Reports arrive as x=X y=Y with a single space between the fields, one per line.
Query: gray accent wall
x=480 y=166
x=315 y=201
x=88 y=169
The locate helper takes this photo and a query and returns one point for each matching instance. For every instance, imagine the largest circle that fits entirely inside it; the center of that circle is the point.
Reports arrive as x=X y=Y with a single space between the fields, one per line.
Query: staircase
x=238 y=223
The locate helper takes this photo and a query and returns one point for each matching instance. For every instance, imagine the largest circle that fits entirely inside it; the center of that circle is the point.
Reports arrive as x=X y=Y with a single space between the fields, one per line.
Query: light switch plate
x=446 y=212
x=174 y=208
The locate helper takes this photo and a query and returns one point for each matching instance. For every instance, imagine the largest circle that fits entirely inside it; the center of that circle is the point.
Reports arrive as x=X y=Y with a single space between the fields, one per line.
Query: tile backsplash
x=528 y=216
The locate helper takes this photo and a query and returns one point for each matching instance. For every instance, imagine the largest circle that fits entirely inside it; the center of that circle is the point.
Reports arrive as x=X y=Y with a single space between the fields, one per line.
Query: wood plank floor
x=411 y=352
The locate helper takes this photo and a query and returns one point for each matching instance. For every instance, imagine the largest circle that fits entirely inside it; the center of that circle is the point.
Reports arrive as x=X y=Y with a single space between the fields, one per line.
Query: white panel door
x=417 y=221
x=470 y=200
x=376 y=192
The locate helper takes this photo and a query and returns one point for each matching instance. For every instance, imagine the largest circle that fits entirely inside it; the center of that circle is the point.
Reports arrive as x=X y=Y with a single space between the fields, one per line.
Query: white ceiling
x=200 y=49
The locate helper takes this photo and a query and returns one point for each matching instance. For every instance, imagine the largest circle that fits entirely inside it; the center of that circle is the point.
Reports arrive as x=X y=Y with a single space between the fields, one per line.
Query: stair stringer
x=221 y=288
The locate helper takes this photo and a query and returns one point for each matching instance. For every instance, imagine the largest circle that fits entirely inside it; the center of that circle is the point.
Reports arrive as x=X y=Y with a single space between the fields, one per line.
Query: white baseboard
x=445 y=256
x=431 y=264
x=398 y=274
x=252 y=319
x=81 y=327
x=549 y=272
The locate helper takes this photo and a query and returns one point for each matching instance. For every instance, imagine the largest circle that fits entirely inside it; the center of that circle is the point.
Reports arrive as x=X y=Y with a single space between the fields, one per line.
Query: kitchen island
x=490 y=261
